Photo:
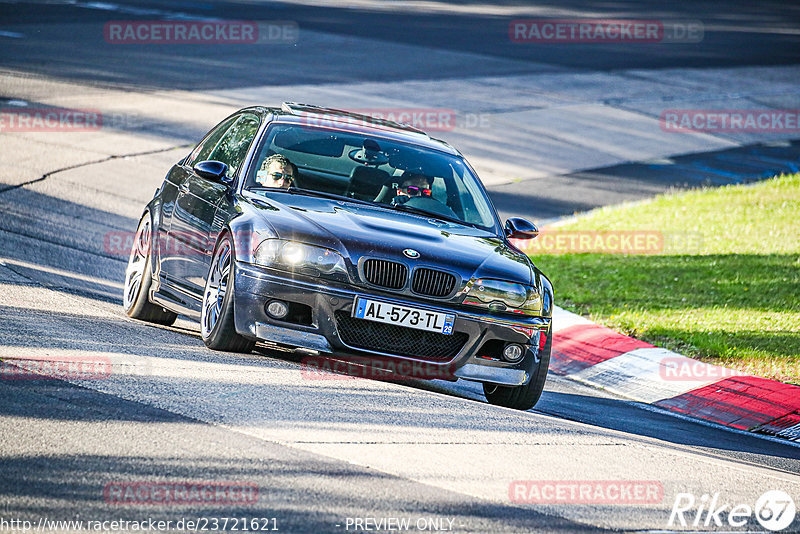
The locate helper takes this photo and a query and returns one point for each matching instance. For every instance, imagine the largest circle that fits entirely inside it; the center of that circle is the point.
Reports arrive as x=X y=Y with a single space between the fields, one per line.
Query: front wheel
x=138 y=279
x=522 y=397
x=216 y=321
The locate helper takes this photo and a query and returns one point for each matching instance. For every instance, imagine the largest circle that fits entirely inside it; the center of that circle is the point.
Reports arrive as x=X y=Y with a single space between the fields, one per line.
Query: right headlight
x=300 y=257
x=502 y=296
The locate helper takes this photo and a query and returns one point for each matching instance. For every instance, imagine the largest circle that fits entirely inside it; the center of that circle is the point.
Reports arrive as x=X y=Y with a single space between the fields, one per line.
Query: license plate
x=384 y=312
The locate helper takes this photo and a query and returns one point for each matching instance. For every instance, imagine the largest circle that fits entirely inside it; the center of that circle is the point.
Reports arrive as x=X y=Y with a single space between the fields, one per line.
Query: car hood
x=360 y=230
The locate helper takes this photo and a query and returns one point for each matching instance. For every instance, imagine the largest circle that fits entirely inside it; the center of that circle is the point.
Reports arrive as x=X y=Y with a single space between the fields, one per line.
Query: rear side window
x=233 y=147
x=207 y=145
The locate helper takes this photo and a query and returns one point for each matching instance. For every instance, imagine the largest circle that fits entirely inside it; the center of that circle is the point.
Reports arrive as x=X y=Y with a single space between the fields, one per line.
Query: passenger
x=276 y=171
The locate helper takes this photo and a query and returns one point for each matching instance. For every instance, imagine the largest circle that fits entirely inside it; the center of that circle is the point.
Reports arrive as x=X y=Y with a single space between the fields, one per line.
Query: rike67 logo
x=775 y=511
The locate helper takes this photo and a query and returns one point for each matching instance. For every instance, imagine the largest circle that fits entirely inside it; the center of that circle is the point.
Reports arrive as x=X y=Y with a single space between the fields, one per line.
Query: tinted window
x=207 y=145
x=378 y=170
x=232 y=149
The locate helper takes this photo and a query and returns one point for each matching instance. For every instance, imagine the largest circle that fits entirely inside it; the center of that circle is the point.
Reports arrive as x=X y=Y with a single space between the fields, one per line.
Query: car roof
x=294 y=113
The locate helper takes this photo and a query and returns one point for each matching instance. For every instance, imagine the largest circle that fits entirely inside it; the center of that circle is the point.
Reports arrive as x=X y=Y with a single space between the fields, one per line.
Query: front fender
x=157 y=237
x=247 y=231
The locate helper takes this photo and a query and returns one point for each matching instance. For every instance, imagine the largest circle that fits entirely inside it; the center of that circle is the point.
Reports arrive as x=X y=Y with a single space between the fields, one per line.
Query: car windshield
x=380 y=171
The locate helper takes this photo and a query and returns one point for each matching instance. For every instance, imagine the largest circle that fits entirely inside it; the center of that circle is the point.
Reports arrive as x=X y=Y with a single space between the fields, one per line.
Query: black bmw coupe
x=345 y=236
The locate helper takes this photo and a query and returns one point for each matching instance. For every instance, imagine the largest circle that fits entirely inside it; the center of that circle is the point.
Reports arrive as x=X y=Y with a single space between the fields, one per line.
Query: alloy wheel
x=137 y=263
x=216 y=288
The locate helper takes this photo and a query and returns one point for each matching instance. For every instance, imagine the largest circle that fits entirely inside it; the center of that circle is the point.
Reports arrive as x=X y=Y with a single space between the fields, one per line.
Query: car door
x=193 y=227
x=168 y=248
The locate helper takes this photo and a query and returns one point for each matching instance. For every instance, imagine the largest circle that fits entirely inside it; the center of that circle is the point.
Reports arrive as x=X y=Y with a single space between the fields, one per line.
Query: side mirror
x=216 y=171
x=518 y=228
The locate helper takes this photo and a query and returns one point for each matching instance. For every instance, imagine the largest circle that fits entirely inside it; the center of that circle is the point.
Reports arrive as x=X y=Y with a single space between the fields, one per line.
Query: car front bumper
x=256 y=286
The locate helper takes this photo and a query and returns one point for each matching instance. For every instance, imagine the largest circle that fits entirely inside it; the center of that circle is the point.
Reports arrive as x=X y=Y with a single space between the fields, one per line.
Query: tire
x=216 y=321
x=522 y=397
x=139 y=278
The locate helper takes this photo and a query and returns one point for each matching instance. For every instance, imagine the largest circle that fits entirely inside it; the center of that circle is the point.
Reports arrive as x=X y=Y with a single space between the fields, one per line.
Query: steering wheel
x=432 y=205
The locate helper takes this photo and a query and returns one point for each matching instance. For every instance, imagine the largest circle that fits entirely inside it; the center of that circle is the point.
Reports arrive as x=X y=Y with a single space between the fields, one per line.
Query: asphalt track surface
x=320 y=451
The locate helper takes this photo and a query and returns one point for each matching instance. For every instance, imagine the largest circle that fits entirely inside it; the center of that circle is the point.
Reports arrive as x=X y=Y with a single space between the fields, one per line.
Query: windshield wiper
x=420 y=211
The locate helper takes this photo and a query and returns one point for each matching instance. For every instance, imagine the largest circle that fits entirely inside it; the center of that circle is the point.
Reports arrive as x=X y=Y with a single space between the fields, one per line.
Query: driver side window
x=203 y=150
x=233 y=147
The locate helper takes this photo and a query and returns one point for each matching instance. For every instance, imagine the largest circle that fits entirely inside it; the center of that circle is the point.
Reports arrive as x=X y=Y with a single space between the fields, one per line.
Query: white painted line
x=15 y=35
x=648 y=374
x=563 y=319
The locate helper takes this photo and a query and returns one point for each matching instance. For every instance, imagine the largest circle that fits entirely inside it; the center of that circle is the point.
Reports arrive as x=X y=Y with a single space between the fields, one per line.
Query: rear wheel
x=216 y=321
x=138 y=279
x=522 y=397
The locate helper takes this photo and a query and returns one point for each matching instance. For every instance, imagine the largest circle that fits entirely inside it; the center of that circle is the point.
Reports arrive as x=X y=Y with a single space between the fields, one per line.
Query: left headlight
x=293 y=256
x=501 y=296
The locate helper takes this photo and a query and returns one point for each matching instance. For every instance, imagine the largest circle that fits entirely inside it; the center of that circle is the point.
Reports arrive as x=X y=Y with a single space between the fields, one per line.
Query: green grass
x=725 y=288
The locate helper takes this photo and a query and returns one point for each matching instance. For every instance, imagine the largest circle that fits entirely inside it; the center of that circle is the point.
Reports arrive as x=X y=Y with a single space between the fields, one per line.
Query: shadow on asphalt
x=184 y=349
x=304 y=491
x=594 y=188
x=735 y=34
x=635 y=419
x=632 y=418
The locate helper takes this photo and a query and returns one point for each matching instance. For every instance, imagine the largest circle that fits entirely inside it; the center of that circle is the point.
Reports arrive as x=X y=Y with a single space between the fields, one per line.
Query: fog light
x=277 y=309
x=513 y=352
